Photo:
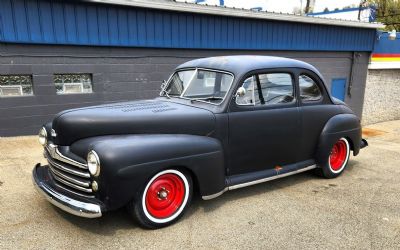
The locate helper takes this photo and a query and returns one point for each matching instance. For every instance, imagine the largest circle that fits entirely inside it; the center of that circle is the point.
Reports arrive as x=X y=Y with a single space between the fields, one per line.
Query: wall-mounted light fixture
x=392 y=35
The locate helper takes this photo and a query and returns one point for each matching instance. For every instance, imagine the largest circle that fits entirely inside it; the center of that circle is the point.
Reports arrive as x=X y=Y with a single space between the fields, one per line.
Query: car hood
x=137 y=117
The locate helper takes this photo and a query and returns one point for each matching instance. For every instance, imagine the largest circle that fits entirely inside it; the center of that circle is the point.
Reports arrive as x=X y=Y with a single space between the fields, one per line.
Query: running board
x=235 y=182
x=274 y=177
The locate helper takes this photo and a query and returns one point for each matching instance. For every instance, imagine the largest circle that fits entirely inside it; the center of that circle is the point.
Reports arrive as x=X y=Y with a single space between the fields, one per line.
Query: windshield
x=200 y=85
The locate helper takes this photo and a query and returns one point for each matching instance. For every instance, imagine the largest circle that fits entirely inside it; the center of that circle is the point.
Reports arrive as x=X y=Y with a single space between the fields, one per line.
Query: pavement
x=358 y=210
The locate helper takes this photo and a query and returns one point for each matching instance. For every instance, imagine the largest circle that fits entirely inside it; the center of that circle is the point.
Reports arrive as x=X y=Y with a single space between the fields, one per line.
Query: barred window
x=73 y=83
x=15 y=85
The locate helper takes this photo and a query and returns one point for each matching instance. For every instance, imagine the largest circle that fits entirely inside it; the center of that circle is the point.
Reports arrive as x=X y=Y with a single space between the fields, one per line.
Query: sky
x=285 y=6
x=332 y=4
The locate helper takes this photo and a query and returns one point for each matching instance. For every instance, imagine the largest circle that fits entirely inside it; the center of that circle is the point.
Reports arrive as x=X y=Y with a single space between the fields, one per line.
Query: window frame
x=254 y=94
x=231 y=85
x=316 y=82
x=320 y=83
x=290 y=71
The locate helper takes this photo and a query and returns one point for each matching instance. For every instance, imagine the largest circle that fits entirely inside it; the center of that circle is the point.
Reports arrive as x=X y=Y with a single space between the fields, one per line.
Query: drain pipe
x=354 y=58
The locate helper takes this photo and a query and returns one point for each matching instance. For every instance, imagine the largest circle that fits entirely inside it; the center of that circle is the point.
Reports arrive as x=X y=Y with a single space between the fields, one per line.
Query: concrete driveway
x=360 y=209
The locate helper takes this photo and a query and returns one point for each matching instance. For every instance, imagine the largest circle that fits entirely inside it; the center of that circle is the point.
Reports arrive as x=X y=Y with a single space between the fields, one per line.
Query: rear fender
x=342 y=125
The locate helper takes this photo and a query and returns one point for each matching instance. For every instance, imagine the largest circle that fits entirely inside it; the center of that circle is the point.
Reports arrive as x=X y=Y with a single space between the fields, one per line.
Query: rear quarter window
x=309 y=90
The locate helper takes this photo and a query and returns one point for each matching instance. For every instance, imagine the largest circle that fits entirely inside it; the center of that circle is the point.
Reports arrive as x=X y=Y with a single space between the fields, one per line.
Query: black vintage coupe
x=220 y=123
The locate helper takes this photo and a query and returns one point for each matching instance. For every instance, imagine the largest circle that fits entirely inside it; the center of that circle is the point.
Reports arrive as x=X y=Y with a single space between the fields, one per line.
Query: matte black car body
x=223 y=146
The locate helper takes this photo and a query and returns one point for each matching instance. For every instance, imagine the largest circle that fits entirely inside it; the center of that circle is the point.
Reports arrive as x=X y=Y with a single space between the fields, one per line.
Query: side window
x=251 y=96
x=309 y=90
x=276 y=88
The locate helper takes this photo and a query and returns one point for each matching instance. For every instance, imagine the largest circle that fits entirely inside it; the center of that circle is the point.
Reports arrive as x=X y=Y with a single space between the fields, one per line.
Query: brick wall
x=121 y=74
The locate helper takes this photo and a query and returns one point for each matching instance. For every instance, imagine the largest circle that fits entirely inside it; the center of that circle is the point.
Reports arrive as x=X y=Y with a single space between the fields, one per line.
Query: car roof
x=241 y=64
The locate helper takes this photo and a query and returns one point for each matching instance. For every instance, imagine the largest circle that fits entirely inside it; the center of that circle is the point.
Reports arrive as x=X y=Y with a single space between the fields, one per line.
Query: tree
x=307 y=9
x=326 y=9
x=388 y=13
x=297 y=11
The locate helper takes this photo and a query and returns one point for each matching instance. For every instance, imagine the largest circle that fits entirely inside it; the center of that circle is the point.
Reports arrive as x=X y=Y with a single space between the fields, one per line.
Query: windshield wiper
x=205 y=99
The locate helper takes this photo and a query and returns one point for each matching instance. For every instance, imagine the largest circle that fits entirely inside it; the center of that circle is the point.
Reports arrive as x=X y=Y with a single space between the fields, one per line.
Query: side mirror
x=163 y=87
x=240 y=92
x=163 y=84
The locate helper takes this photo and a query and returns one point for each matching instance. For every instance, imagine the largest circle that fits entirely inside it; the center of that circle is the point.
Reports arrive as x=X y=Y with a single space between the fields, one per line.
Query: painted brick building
x=56 y=55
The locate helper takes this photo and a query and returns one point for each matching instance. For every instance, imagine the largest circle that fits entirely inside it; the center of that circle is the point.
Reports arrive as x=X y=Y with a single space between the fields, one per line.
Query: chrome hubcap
x=162 y=194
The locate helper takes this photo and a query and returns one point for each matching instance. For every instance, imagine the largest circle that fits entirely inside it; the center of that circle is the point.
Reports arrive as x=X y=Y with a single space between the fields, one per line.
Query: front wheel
x=338 y=159
x=163 y=200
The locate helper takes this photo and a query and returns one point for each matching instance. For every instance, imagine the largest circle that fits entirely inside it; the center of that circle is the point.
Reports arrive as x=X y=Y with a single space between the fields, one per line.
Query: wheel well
x=196 y=187
x=350 y=142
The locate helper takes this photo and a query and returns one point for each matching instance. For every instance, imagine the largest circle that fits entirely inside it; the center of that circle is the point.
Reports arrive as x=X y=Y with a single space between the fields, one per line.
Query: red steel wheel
x=165 y=196
x=339 y=155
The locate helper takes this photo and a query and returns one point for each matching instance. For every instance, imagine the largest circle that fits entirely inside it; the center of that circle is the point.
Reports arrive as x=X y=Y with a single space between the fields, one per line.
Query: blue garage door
x=338 y=88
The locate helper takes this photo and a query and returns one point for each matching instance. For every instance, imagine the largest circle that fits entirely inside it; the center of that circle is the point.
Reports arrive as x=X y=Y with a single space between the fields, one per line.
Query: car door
x=316 y=109
x=264 y=123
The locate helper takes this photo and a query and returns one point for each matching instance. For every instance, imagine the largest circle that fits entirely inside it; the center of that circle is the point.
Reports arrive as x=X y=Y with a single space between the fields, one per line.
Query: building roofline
x=235 y=12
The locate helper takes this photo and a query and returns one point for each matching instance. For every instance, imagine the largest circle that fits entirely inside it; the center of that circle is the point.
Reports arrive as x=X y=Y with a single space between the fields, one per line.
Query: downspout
x=353 y=59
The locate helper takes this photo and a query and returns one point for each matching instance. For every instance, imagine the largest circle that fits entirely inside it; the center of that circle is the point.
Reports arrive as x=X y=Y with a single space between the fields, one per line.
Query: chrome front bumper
x=72 y=206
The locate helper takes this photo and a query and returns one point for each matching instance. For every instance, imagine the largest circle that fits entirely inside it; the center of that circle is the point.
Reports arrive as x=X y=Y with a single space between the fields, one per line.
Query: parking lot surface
x=358 y=210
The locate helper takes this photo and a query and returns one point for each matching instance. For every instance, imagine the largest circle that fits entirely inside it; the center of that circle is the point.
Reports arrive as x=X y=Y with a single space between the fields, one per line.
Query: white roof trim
x=384 y=65
x=225 y=11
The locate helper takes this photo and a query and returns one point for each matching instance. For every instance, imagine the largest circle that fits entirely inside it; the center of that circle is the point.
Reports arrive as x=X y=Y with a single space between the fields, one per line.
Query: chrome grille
x=55 y=154
x=68 y=169
x=72 y=178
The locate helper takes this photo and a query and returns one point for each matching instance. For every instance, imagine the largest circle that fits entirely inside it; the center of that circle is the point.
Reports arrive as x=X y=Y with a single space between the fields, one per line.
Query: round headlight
x=43 y=136
x=93 y=163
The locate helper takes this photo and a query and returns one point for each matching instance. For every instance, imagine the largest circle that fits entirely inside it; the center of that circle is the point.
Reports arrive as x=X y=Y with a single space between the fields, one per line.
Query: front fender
x=129 y=161
x=342 y=125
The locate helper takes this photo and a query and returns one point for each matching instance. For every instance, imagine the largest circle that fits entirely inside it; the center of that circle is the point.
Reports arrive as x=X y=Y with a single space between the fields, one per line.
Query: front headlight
x=43 y=136
x=93 y=163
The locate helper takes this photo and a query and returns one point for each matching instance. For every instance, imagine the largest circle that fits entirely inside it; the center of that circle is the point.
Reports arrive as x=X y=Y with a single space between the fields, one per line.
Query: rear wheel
x=337 y=160
x=163 y=200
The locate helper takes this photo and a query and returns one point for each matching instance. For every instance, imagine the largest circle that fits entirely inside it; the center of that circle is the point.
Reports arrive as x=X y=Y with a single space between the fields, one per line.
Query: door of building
x=338 y=88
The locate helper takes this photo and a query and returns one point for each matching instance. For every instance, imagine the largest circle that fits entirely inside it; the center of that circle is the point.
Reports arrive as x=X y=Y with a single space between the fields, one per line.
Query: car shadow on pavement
x=270 y=186
x=113 y=221
x=229 y=196
x=107 y=225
